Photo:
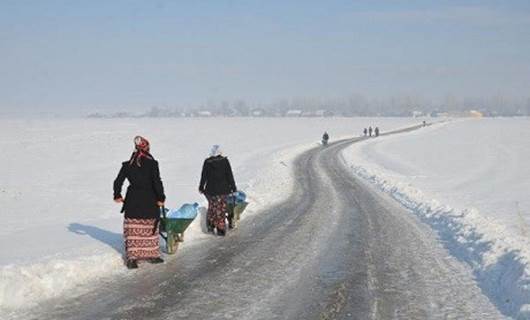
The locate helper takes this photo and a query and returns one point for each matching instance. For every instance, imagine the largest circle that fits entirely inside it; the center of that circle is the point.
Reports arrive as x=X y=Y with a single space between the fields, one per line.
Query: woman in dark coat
x=145 y=196
x=217 y=182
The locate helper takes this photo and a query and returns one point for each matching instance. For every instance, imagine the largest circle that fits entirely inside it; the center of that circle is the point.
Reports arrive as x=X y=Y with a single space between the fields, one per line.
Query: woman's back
x=140 y=177
x=217 y=177
x=145 y=188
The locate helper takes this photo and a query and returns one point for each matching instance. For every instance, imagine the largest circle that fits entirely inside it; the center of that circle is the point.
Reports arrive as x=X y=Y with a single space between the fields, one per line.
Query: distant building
x=320 y=113
x=475 y=114
x=204 y=113
x=258 y=112
x=460 y=114
x=467 y=114
x=96 y=115
x=294 y=113
x=416 y=114
x=435 y=114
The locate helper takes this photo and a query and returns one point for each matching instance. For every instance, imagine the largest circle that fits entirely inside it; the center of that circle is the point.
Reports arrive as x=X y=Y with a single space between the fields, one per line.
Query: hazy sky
x=85 y=55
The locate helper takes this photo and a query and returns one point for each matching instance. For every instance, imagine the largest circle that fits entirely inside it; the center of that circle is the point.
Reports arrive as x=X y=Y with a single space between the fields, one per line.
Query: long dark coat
x=145 y=189
x=217 y=178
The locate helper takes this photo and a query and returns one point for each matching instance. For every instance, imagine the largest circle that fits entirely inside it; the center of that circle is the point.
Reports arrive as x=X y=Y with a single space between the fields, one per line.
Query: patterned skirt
x=216 y=211
x=140 y=240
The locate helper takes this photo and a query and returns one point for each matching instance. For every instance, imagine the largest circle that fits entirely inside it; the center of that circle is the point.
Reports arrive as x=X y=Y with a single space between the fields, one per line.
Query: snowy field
x=470 y=180
x=60 y=229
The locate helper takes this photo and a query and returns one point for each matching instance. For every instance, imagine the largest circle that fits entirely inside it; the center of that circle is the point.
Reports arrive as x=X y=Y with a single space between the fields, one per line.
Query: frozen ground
x=60 y=229
x=470 y=180
x=336 y=248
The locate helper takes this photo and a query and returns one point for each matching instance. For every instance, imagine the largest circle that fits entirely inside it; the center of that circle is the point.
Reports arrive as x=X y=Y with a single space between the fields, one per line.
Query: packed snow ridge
x=468 y=180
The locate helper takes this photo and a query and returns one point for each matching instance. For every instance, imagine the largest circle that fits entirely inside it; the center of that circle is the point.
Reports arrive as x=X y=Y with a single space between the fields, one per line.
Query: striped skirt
x=140 y=241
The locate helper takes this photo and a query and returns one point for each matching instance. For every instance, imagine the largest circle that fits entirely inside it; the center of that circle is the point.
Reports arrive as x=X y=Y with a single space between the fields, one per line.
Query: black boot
x=132 y=264
x=221 y=232
x=156 y=260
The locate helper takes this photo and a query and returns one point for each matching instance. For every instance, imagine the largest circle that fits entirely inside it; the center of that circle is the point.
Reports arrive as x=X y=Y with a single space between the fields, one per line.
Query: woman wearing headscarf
x=217 y=182
x=145 y=196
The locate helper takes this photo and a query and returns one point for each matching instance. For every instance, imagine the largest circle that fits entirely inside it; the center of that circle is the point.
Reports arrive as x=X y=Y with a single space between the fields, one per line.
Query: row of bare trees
x=354 y=105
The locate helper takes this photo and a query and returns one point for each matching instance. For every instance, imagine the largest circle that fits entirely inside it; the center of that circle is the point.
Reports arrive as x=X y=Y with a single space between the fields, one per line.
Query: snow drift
x=443 y=174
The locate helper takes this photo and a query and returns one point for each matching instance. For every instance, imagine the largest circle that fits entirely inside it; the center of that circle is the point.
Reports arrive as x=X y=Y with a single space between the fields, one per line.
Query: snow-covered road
x=336 y=249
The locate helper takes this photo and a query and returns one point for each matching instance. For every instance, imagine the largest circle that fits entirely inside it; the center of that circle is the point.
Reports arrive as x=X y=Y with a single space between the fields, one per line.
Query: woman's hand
x=118 y=200
x=160 y=203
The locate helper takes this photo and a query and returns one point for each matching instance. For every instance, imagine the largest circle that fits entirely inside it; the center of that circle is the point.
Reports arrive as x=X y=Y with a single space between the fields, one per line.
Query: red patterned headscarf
x=141 y=146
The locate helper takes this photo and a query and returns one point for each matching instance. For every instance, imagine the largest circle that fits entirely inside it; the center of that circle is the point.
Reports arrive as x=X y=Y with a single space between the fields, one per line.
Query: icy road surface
x=337 y=249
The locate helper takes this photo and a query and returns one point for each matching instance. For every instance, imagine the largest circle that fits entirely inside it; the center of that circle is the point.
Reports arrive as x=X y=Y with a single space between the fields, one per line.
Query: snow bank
x=429 y=173
x=61 y=231
x=24 y=285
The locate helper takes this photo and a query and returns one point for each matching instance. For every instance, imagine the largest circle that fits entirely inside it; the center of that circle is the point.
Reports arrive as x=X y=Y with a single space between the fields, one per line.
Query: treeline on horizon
x=355 y=106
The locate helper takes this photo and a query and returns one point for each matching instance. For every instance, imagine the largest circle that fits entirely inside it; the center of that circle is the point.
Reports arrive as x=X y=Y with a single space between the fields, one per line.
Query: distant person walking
x=424 y=123
x=217 y=182
x=376 y=131
x=325 y=138
x=365 y=131
x=370 y=131
x=145 y=195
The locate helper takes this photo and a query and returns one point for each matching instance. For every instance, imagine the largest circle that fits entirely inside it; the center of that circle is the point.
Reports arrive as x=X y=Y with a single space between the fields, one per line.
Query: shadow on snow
x=112 y=239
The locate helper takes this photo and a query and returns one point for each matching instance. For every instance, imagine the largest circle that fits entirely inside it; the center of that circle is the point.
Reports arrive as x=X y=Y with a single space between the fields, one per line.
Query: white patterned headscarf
x=216 y=151
x=141 y=146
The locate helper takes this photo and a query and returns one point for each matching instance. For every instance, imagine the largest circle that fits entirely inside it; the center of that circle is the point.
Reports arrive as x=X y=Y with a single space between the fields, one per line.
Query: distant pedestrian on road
x=376 y=131
x=365 y=131
x=325 y=138
x=370 y=131
x=217 y=182
x=424 y=123
x=145 y=195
